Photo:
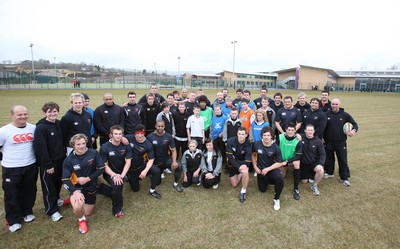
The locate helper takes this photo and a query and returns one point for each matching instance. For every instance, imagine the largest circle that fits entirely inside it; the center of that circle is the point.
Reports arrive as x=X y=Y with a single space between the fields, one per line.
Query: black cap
x=85 y=95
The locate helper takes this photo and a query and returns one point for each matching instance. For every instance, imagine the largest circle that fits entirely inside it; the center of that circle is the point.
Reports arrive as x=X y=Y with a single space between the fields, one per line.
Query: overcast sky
x=270 y=35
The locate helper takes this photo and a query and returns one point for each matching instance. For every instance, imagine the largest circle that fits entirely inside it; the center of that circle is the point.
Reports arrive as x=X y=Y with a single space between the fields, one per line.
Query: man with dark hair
x=267 y=160
x=325 y=104
x=19 y=169
x=181 y=137
x=172 y=103
x=158 y=99
x=93 y=132
x=134 y=114
x=277 y=103
x=316 y=117
x=81 y=170
x=238 y=151
x=263 y=94
x=336 y=141
x=287 y=114
x=107 y=115
x=152 y=109
x=291 y=153
x=142 y=162
x=50 y=154
x=207 y=113
x=239 y=95
x=165 y=152
x=166 y=116
x=117 y=158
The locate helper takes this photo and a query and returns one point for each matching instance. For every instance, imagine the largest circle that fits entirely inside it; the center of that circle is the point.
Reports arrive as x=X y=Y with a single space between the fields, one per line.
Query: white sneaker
x=162 y=176
x=311 y=181
x=315 y=190
x=326 y=175
x=14 y=227
x=255 y=174
x=168 y=171
x=29 y=218
x=215 y=186
x=277 y=204
x=60 y=202
x=346 y=183
x=56 y=216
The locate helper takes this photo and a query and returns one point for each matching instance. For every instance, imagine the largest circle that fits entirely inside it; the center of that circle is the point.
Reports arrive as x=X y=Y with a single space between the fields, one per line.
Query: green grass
x=365 y=215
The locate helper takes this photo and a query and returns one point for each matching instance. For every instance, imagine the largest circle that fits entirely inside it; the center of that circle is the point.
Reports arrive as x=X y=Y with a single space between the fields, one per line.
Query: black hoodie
x=48 y=143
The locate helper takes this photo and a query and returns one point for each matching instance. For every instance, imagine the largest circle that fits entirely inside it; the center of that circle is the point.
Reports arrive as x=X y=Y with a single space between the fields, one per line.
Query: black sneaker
x=296 y=194
x=178 y=188
x=155 y=194
x=242 y=197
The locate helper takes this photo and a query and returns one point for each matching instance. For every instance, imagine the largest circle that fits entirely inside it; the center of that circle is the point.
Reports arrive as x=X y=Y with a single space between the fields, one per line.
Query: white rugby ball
x=347 y=127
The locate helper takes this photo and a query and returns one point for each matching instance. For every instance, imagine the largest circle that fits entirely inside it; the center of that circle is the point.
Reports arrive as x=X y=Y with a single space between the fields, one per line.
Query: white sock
x=152 y=190
x=243 y=191
x=175 y=184
x=82 y=218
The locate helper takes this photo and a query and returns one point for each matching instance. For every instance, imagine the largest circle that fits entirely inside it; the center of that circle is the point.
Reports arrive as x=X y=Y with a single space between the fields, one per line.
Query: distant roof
x=295 y=68
x=259 y=74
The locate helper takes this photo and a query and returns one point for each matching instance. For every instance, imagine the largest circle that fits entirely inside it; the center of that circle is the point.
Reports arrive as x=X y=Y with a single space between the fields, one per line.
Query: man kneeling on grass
x=117 y=158
x=81 y=170
x=267 y=161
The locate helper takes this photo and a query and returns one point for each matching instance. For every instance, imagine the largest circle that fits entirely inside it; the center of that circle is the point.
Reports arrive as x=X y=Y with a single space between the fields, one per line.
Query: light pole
x=179 y=67
x=55 y=67
x=233 y=68
x=155 y=70
x=33 y=64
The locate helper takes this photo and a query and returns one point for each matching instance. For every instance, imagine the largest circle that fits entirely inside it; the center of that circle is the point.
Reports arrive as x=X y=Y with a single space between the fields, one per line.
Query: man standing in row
x=134 y=114
x=50 y=154
x=19 y=169
x=76 y=121
x=107 y=115
x=335 y=141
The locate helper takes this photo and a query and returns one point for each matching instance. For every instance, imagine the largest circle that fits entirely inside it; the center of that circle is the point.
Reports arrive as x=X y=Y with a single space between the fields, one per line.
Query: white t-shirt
x=17 y=145
x=196 y=126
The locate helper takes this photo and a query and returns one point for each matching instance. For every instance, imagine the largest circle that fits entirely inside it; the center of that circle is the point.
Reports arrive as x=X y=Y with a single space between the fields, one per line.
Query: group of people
x=148 y=137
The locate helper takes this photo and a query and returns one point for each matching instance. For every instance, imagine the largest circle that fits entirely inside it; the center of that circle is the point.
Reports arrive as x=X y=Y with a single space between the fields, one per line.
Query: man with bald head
x=107 y=115
x=19 y=170
x=335 y=141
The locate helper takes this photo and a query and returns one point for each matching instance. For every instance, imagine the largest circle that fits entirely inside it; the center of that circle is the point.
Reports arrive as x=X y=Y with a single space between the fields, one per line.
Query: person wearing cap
x=142 y=162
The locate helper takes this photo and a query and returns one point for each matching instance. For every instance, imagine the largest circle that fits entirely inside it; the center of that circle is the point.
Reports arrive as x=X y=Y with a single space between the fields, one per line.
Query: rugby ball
x=347 y=127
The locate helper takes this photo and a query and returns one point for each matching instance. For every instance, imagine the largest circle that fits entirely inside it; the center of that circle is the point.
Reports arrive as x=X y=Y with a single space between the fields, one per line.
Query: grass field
x=365 y=215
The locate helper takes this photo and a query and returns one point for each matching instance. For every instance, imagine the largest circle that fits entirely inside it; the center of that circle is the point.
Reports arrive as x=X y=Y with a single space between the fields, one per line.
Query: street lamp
x=233 y=70
x=179 y=67
x=55 y=67
x=33 y=65
x=155 y=70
